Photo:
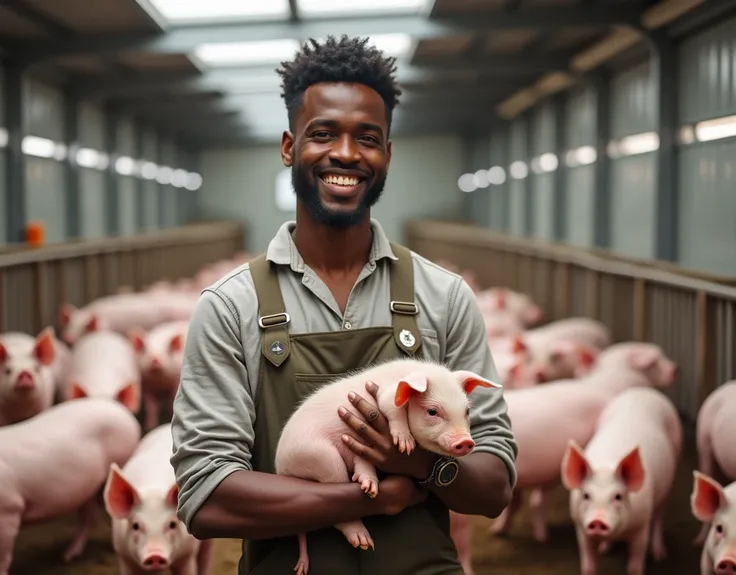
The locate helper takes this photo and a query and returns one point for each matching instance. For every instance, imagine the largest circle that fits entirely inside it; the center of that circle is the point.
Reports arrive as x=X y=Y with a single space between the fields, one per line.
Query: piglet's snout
x=462 y=446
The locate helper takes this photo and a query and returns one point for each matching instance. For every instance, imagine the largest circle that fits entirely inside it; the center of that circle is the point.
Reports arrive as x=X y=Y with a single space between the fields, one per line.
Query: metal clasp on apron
x=405 y=307
x=263 y=323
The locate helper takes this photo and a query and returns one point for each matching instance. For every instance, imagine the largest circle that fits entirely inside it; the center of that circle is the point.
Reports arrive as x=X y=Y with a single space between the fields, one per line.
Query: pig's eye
x=8 y=371
x=172 y=525
x=719 y=529
x=586 y=495
x=618 y=497
x=136 y=526
x=432 y=411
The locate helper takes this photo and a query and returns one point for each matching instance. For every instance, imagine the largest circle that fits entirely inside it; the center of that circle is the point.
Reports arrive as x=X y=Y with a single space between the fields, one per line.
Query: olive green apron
x=414 y=542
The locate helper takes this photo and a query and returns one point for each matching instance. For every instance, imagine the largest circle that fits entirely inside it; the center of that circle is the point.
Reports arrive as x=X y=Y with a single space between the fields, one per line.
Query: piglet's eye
x=432 y=411
x=719 y=529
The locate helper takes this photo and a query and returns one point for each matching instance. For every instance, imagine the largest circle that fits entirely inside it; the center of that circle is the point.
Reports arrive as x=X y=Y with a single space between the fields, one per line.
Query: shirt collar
x=282 y=250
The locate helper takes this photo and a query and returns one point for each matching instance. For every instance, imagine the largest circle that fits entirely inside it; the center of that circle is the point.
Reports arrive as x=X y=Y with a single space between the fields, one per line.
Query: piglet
x=159 y=354
x=542 y=433
x=26 y=377
x=714 y=506
x=715 y=430
x=56 y=463
x=104 y=365
x=621 y=483
x=410 y=392
x=500 y=299
x=141 y=499
x=513 y=361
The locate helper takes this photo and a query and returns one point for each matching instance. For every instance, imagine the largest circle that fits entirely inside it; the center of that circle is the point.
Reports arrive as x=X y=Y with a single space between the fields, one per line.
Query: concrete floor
x=39 y=547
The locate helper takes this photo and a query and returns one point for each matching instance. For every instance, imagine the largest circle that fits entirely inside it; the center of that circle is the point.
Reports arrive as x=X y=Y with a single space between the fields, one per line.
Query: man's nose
x=345 y=151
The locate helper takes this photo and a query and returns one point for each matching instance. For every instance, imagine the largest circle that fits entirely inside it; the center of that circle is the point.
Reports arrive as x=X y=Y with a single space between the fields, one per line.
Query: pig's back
x=102 y=362
x=58 y=459
x=17 y=343
x=150 y=466
x=580 y=330
x=722 y=426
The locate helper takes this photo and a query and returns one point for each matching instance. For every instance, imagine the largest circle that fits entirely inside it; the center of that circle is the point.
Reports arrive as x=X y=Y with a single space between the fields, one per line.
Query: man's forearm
x=253 y=505
x=481 y=487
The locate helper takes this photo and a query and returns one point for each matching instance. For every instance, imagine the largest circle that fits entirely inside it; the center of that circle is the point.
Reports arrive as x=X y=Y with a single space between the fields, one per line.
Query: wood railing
x=34 y=282
x=692 y=319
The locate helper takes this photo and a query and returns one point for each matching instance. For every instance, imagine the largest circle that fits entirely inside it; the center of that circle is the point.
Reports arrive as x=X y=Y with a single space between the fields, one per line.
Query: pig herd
x=69 y=425
x=587 y=413
x=590 y=414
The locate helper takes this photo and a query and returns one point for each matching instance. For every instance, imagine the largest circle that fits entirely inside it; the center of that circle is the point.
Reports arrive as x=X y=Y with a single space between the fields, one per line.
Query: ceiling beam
x=184 y=39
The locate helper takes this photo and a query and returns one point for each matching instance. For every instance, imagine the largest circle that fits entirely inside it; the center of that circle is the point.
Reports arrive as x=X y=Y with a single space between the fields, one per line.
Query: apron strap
x=272 y=319
x=403 y=308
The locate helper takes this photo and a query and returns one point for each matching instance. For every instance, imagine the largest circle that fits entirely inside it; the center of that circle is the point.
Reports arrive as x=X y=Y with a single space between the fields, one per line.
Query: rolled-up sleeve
x=212 y=424
x=467 y=348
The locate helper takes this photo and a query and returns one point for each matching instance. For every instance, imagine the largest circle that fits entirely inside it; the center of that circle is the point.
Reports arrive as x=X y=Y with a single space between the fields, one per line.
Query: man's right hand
x=397 y=492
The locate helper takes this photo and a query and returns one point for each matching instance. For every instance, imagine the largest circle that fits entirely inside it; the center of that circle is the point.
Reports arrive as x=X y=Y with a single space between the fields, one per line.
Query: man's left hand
x=376 y=444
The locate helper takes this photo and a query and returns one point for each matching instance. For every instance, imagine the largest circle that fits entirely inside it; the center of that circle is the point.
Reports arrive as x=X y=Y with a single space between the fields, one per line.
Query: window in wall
x=285 y=197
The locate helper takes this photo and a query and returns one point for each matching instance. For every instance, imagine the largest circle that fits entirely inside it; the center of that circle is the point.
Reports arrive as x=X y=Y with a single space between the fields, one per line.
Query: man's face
x=339 y=152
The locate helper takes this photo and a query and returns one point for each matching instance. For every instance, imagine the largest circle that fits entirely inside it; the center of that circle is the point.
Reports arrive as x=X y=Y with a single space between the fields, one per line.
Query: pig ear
x=65 y=314
x=707 y=497
x=3 y=353
x=92 y=324
x=76 y=391
x=470 y=381
x=518 y=345
x=413 y=383
x=631 y=470
x=44 y=347
x=120 y=496
x=643 y=359
x=172 y=497
x=514 y=372
x=137 y=340
x=501 y=299
x=587 y=356
x=176 y=343
x=575 y=468
x=130 y=396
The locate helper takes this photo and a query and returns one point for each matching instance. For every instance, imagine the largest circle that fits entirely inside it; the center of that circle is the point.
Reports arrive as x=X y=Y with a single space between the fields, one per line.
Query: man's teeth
x=340 y=180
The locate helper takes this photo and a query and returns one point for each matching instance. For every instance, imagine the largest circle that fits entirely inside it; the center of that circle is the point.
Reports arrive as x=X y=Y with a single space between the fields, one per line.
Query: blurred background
x=581 y=152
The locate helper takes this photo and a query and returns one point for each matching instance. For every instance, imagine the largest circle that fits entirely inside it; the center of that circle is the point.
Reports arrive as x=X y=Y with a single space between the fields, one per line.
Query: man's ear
x=287 y=148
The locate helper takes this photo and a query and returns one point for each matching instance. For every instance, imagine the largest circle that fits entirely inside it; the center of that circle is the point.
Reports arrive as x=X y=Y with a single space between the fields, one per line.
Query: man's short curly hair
x=343 y=60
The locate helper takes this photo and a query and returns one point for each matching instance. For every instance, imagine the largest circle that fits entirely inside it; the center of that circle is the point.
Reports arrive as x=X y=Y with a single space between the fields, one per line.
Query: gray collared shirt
x=214 y=412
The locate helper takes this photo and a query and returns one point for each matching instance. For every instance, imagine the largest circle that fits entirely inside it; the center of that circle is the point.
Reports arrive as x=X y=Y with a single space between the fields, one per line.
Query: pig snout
x=462 y=446
x=24 y=381
x=598 y=528
x=726 y=566
x=155 y=365
x=155 y=561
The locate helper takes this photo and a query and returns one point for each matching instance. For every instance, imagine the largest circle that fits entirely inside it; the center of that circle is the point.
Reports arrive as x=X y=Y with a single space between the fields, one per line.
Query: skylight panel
x=246 y=53
x=328 y=8
x=190 y=11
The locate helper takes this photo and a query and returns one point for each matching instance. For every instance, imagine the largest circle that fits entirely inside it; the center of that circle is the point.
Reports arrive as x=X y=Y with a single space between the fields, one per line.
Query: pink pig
x=26 y=378
x=714 y=506
x=159 y=354
x=621 y=483
x=500 y=299
x=56 y=463
x=141 y=498
x=577 y=405
x=715 y=429
x=513 y=362
x=104 y=365
x=412 y=394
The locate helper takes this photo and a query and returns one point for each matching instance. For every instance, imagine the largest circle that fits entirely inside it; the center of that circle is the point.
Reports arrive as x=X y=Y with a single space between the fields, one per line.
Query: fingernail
x=351 y=396
x=341 y=411
x=344 y=438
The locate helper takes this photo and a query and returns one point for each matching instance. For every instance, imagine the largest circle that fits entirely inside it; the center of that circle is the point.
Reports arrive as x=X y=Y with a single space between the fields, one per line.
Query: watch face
x=447 y=473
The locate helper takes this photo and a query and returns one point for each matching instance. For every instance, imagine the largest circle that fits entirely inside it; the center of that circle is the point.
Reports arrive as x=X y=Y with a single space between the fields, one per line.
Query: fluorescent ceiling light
x=246 y=53
x=3 y=137
x=38 y=147
x=180 y=11
x=709 y=130
x=496 y=175
x=393 y=45
x=337 y=8
x=466 y=183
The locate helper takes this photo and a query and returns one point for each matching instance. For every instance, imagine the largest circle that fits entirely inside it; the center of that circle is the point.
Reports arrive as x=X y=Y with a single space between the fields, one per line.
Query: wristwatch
x=443 y=472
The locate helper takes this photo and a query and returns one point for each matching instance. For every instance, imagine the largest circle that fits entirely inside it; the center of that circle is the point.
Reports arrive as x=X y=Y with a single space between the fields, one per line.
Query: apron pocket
x=307 y=383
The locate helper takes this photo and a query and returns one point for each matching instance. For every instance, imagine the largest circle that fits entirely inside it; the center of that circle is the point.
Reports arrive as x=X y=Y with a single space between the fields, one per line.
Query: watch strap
x=437 y=468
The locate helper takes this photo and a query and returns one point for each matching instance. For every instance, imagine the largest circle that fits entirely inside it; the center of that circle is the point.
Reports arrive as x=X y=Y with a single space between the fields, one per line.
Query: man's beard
x=308 y=194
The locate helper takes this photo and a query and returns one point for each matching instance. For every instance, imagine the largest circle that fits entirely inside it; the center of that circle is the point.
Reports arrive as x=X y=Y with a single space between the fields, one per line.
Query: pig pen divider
x=689 y=315
x=34 y=282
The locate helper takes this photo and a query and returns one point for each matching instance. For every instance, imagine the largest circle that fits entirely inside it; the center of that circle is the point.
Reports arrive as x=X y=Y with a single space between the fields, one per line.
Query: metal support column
x=530 y=195
x=140 y=183
x=602 y=208
x=112 y=181
x=480 y=198
x=72 y=207
x=161 y=188
x=667 y=203
x=15 y=193
x=503 y=191
x=559 y=223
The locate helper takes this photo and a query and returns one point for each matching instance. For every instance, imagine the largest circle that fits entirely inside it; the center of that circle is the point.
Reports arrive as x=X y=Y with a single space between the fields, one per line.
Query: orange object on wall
x=35 y=233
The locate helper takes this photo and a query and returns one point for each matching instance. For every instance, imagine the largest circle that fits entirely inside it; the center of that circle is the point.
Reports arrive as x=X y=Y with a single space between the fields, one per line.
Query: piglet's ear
x=631 y=470
x=172 y=497
x=707 y=497
x=470 y=381
x=120 y=496
x=408 y=386
x=575 y=468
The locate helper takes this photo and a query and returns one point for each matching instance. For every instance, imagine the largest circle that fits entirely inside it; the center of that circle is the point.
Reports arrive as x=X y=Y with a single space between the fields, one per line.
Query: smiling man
x=332 y=294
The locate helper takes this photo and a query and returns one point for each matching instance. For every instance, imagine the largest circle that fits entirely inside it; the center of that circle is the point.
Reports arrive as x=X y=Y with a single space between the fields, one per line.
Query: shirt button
x=348 y=325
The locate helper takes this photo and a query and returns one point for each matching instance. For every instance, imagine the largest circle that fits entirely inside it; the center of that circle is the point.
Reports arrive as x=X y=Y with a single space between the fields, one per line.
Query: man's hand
x=376 y=444
x=396 y=493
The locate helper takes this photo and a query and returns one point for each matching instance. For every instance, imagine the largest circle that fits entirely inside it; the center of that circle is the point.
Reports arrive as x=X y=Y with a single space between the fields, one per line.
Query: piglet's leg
x=87 y=518
x=502 y=524
x=659 y=549
x=302 y=566
x=707 y=465
x=399 y=427
x=538 y=501
x=204 y=557
x=9 y=526
x=365 y=473
x=638 y=544
x=588 y=557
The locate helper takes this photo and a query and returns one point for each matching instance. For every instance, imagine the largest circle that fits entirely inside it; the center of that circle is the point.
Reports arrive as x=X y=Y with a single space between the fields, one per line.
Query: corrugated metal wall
x=150 y=187
x=543 y=184
x=517 y=187
x=633 y=111
x=708 y=169
x=499 y=193
x=92 y=190
x=126 y=184
x=580 y=112
x=3 y=203
x=45 y=185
